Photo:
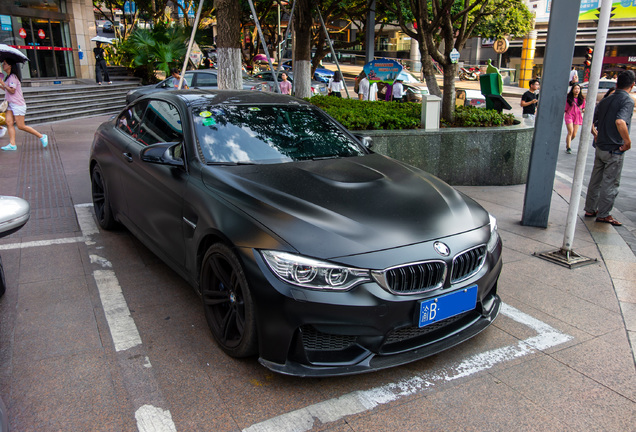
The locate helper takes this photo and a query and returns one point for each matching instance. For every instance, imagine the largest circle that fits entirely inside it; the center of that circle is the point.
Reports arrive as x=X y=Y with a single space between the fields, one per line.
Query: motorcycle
x=470 y=74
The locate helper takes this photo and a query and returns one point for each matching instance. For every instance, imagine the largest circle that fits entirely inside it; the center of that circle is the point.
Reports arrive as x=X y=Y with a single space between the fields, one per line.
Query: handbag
x=4 y=105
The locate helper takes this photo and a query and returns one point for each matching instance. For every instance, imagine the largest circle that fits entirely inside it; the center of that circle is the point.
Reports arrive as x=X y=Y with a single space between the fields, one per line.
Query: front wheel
x=229 y=309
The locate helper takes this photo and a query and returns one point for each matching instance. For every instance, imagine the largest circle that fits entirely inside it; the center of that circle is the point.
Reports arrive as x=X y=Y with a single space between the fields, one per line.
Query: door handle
x=128 y=157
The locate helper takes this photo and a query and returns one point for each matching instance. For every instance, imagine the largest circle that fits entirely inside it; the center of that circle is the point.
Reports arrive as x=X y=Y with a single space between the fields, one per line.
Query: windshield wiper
x=229 y=163
x=325 y=157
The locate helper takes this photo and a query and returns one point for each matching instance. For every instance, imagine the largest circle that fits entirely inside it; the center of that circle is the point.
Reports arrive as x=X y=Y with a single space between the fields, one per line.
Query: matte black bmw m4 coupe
x=308 y=249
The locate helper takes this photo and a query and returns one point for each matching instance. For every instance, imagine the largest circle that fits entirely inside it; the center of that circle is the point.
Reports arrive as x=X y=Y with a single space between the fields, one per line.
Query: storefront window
x=43 y=5
x=45 y=42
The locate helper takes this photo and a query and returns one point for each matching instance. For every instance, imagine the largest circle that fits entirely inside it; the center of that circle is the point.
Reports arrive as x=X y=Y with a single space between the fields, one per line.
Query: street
x=97 y=334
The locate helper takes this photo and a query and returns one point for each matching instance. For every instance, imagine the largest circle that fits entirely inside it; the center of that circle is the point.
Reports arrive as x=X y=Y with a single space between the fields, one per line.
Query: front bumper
x=317 y=333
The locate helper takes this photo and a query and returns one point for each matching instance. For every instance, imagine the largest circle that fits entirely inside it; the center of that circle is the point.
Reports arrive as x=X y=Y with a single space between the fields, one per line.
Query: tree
x=228 y=44
x=352 y=11
x=159 y=48
x=302 y=48
x=441 y=25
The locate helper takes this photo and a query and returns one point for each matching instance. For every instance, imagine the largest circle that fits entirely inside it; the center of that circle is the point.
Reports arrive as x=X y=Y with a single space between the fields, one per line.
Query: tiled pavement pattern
x=42 y=182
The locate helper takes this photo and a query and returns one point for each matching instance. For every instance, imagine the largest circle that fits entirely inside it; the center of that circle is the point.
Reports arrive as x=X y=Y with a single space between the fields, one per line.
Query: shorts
x=18 y=110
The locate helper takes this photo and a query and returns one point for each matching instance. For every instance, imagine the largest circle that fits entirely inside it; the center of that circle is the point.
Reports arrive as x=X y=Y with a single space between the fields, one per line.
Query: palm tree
x=160 y=48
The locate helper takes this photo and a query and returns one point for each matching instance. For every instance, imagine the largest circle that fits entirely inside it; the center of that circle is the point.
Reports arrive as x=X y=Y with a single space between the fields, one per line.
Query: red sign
x=22 y=33
x=41 y=34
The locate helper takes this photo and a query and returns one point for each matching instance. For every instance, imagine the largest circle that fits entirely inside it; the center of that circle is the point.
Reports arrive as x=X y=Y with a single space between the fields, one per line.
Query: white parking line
x=40 y=243
x=353 y=403
x=123 y=329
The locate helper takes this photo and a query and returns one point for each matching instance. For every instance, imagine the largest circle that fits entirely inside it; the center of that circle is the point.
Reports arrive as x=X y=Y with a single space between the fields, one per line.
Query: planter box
x=494 y=156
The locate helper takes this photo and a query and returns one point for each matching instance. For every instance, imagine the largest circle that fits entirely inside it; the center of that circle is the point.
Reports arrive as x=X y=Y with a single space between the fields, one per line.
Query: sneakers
x=44 y=140
x=568 y=151
x=9 y=147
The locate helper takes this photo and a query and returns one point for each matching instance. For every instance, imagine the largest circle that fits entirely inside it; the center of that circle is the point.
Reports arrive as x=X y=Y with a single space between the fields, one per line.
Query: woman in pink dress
x=12 y=87
x=574 y=107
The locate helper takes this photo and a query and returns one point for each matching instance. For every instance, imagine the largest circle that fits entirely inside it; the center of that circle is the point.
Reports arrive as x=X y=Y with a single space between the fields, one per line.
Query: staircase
x=55 y=100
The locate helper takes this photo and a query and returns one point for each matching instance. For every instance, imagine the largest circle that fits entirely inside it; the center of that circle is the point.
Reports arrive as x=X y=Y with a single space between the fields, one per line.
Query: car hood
x=347 y=206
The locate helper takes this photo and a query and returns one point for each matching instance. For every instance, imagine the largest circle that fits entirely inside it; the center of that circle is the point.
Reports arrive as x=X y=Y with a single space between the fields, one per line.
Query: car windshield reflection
x=241 y=134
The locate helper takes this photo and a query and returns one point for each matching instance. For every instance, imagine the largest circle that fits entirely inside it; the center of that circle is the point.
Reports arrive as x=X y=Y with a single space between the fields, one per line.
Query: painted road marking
x=40 y=243
x=123 y=329
x=152 y=419
x=122 y=326
x=360 y=401
x=564 y=176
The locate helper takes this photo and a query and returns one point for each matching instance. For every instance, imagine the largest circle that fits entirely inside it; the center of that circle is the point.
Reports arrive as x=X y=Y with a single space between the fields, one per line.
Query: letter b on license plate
x=447 y=306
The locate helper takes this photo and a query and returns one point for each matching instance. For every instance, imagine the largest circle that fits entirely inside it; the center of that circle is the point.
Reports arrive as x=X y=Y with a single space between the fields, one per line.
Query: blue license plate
x=447 y=306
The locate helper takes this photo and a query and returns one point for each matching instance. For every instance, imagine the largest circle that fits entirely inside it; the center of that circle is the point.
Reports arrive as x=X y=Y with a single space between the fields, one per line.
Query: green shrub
x=364 y=115
x=469 y=116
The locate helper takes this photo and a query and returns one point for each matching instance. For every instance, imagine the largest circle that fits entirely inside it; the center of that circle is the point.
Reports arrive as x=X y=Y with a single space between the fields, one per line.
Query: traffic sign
x=501 y=46
x=454 y=55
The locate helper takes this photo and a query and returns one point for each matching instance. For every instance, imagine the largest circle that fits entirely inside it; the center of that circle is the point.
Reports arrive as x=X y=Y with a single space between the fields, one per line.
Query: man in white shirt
x=398 y=90
x=366 y=91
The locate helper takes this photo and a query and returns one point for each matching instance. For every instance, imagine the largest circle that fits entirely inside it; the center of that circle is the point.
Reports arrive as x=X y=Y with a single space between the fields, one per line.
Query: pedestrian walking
x=285 y=85
x=100 y=64
x=574 y=108
x=529 y=101
x=16 y=110
x=336 y=85
x=398 y=90
x=367 y=91
x=174 y=72
x=574 y=76
x=612 y=117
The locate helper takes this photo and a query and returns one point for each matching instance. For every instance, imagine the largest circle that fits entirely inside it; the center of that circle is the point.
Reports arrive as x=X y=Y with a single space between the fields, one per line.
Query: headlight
x=313 y=274
x=494 y=234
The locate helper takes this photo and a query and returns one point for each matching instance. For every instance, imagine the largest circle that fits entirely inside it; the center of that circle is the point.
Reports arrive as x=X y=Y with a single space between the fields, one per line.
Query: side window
x=161 y=123
x=128 y=121
x=205 y=80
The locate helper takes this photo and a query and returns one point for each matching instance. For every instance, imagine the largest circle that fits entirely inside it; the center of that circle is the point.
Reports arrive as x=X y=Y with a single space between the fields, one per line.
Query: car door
x=154 y=191
x=115 y=164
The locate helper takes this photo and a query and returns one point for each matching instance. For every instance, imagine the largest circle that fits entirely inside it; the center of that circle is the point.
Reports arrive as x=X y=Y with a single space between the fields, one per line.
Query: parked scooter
x=470 y=74
x=14 y=213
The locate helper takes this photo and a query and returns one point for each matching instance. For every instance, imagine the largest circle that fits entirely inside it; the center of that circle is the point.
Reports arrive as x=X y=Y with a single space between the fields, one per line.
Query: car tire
x=228 y=304
x=101 y=200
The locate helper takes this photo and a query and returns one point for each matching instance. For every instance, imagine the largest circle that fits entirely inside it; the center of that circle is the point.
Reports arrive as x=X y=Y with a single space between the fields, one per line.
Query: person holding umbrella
x=100 y=64
x=16 y=111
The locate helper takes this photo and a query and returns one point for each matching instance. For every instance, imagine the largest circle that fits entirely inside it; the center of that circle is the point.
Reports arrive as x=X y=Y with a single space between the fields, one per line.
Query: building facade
x=54 y=34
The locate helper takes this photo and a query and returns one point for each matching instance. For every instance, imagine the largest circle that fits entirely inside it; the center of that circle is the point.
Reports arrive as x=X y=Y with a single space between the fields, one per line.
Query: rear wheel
x=101 y=201
x=229 y=309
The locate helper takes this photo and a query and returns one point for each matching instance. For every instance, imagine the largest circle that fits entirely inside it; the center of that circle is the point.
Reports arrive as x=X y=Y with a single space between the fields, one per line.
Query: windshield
x=269 y=134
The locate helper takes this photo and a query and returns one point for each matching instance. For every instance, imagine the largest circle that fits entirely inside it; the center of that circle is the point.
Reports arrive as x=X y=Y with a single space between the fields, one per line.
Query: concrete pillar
x=83 y=28
x=370 y=36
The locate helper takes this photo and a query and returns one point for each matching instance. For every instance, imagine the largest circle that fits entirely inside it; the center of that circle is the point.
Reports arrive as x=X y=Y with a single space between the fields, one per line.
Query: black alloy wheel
x=101 y=202
x=229 y=309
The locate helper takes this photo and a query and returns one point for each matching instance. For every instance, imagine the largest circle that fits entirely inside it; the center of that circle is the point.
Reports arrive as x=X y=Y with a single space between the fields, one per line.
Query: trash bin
x=489 y=84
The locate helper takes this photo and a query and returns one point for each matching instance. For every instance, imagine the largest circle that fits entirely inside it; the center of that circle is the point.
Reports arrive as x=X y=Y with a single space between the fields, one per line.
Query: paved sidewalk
x=574 y=366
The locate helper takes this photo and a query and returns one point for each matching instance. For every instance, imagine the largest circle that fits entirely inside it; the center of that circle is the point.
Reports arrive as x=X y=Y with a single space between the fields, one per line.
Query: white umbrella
x=102 y=39
x=7 y=52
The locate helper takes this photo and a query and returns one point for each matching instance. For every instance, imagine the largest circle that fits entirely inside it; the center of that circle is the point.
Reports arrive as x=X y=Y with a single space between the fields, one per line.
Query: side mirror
x=169 y=153
x=366 y=141
x=14 y=213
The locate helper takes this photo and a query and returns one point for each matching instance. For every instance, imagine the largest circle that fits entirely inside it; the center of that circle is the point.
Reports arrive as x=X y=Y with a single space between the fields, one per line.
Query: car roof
x=195 y=97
